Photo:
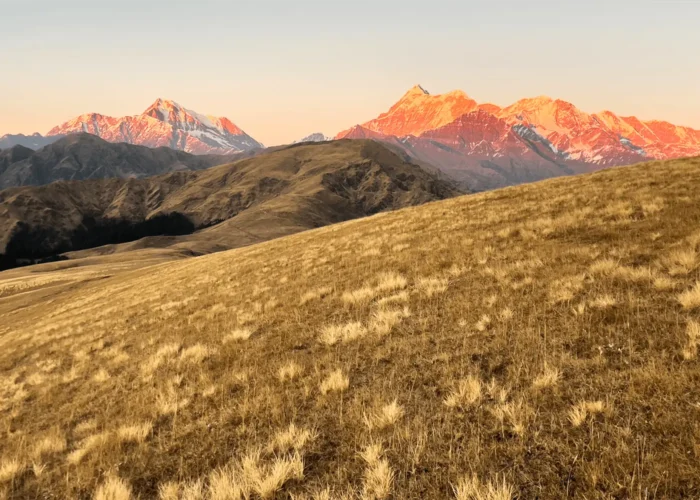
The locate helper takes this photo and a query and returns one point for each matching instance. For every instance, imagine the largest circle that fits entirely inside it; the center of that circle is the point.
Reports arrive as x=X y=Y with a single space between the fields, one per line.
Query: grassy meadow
x=539 y=341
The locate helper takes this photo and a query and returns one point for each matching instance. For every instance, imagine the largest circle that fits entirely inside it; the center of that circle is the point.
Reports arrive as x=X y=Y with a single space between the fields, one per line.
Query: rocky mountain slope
x=34 y=141
x=251 y=200
x=165 y=123
x=85 y=156
x=486 y=146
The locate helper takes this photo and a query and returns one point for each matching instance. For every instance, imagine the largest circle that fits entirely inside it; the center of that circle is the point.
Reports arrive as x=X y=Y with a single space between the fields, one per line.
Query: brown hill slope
x=248 y=201
x=538 y=341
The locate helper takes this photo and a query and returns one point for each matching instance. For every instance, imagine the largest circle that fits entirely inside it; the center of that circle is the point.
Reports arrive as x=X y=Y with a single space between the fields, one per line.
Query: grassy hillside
x=533 y=342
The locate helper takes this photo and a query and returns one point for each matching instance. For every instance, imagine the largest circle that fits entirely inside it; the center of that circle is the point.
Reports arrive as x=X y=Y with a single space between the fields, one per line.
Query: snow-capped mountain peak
x=165 y=123
x=315 y=137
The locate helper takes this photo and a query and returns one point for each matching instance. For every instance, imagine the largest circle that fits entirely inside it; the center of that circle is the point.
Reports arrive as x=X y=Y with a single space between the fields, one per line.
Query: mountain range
x=487 y=146
x=478 y=145
x=165 y=123
x=247 y=201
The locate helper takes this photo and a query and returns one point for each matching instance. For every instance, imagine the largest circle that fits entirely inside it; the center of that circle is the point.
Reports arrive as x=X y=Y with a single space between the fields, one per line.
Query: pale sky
x=284 y=69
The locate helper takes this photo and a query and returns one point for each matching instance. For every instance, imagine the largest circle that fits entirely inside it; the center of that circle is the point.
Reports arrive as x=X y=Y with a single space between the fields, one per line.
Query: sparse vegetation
x=539 y=341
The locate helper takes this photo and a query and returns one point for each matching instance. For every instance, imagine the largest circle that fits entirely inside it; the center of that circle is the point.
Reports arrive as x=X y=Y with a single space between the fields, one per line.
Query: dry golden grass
x=385 y=416
x=113 y=488
x=471 y=488
x=378 y=476
x=335 y=382
x=289 y=371
x=690 y=299
x=466 y=393
x=539 y=341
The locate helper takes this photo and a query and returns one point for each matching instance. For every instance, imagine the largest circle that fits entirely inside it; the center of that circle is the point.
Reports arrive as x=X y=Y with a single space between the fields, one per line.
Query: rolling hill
x=247 y=201
x=539 y=341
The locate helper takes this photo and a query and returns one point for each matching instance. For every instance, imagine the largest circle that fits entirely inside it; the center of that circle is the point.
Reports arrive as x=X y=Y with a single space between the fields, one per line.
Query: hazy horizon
x=282 y=71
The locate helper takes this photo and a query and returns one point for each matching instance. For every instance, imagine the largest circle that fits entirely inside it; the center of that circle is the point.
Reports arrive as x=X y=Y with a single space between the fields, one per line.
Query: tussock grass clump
x=431 y=285
x=384 y=320
x=682 y=261
x=51 y=444
x=466 y=393
x=9 y=469
x=390 y=281
x=690 y=299
x=292 y=438
x=690 y=350
x=88 y=445
x=237 y=335
x=548 y=378
x=195 y=354
x=385 y=416
x=316 y=294
x=472 y=488
x=359 y=296
x=378 y=476
x=347 y=332
x=114 y=488
x=134 y=433
x=603 y=302
x=584 y=410
x=335 y=382
x=266 y=479
x=289 y=371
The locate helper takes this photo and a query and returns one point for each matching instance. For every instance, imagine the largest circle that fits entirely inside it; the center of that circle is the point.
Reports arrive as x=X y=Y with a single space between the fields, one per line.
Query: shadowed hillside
x=252 y=200
x=532 y=342
x=86 y=156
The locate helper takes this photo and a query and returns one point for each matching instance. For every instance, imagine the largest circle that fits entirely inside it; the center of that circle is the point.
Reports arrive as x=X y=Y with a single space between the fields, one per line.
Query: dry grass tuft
x=88 y=445
x=332 y=334
x=467 y=393
x=237 y=335
x=430 y=286
x=483 y=324
x=584 y=410
x=226 y=483
x=390 y=281
x=690 y=299
x=114 y=488
x=378 y=476
x=335 y=382
x=472 y=488
x=360 y=296
x=267 y=479
x=292 y=438
x=384 y=320
x=316 y=294
x=135 y=433
x=400 y=297
x=289 y=371
x=195 y=354
x=102 y=375
x=550 y=377
x=603 y=302
x=690 y=350
x=384 y=417
x=682 y=262
x=48 y=445
x=169 y=403
x=9 y=469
